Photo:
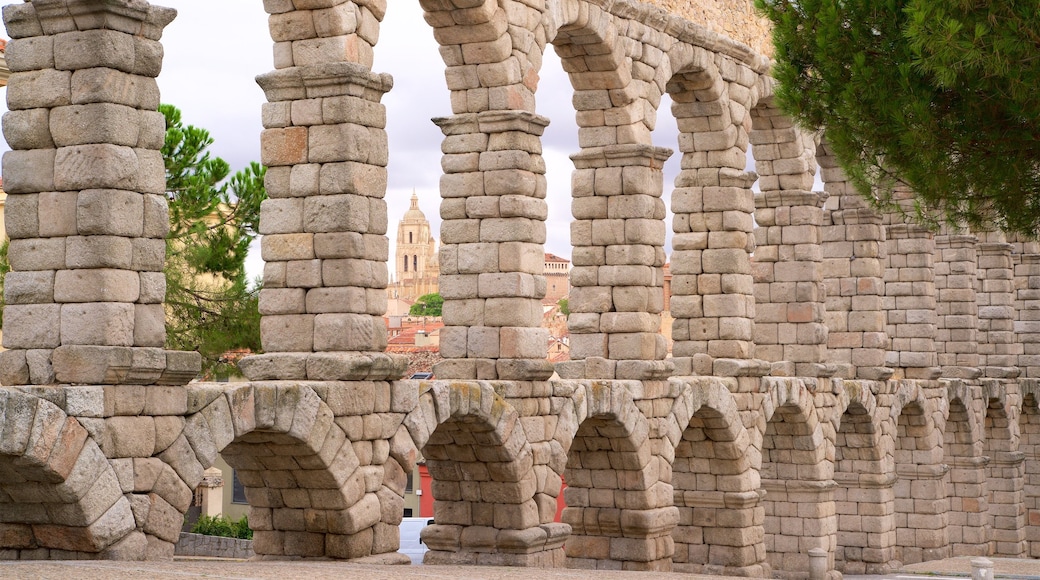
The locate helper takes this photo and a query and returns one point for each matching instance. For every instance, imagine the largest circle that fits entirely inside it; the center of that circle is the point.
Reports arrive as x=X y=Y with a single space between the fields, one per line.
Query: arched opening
x=799 y=501
x=1004 y=483
x=316 y=487
x=492 y=504
x=966 y=482
x=921 y=499
x=618 y=232
x=618 y=516
x=61 y=499
x=1029 y=445
x=720 y=518
x=712 y=288
x=864 y=496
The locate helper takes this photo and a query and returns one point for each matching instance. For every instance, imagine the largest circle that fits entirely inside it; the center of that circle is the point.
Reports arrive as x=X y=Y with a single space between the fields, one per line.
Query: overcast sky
x=214 y=51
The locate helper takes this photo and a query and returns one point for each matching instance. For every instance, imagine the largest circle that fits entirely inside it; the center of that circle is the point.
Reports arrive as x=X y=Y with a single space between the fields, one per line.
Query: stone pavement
x=185 y=569
x=1002 y=567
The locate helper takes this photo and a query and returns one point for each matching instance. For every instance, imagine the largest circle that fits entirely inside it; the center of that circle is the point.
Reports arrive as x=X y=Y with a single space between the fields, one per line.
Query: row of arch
x=715 y=485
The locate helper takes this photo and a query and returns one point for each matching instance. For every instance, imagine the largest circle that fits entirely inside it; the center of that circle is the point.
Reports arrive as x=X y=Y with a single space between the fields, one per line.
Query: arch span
x=920 y=485
x=864 y=476
x=490 y=505
x=319 y=483
x=618 y=503
x=60 y=497
x=716 y=484
x=797 y=475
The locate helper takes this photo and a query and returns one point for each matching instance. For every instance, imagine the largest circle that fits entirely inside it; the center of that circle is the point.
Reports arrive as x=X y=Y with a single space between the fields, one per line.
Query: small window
x=409 y=237
x=406 y=263
x=415 y=263
x=408 y=483
x=238 y=491
x=407 y=512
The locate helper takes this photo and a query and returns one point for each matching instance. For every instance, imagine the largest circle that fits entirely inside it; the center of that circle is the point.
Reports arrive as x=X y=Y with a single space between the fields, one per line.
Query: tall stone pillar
x=86 y=209
x=492 y=247
x=324 y=225
x=910 y=301
x=789 y=291
x=998 y=347
x=956 y=341
x=1027 y=325
x=713 y=303
x=853 y=269
x=1005 y=481
x=617 y=279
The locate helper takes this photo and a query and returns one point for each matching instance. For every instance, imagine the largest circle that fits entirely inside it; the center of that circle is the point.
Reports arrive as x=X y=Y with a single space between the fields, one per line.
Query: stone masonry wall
x=774 y=439
x=736 y=19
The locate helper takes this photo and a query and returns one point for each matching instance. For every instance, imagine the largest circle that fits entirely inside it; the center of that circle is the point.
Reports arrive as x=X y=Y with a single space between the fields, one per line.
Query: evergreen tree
x=937 y=95
x=210 y=305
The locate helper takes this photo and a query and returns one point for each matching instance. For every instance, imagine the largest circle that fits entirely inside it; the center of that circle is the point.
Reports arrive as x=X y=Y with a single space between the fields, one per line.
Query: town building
x=557 y=274
x=415 y=256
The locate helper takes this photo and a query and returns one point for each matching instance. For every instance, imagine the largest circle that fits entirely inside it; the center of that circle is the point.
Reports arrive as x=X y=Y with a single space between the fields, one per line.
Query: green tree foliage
x=5 y=267
x=223 y=526
x=427 y=305
x=210 y=305
x=937 y=95
x=565 y=306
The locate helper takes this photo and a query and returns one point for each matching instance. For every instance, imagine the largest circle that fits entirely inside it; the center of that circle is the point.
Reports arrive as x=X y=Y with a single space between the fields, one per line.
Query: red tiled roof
x=554 y=258
x=406 y=336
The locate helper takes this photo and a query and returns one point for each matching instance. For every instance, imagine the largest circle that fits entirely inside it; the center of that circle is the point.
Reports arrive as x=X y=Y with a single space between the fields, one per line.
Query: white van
x=410 y=544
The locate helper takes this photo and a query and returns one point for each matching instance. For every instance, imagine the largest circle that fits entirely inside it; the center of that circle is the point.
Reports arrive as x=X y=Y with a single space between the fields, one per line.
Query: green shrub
x=223 y=526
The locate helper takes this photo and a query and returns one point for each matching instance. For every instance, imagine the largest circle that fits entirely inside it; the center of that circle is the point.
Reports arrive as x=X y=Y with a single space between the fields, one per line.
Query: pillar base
x=99 y=365
x=536 y=547
x=324 y=366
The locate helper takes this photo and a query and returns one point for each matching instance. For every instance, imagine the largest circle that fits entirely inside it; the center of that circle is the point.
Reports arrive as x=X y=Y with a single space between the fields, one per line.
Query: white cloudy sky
x=215 y=49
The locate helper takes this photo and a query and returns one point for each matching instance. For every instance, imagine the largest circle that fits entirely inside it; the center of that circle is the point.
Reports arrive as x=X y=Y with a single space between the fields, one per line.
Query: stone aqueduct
x=862 y=386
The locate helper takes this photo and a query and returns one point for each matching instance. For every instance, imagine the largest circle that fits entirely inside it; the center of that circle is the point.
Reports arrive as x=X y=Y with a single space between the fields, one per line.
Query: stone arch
x=920 y=487
x=1029 y=445
x=964 y=453
x=1005 y=472
x=618 y=504
x=716 y=484
x=864 y=496
x=617 y=187
x=60 y=497
x=492 y=54
x=489 y=503
x=797 y=477
x=609 y=102
x=713 y=208
x=790 y=331
x=314 y=489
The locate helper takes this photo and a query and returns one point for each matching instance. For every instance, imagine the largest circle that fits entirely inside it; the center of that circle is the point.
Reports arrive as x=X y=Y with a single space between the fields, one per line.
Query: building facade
x=416 y=268
x=557 y=273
